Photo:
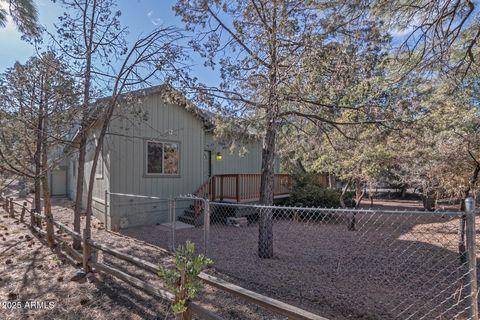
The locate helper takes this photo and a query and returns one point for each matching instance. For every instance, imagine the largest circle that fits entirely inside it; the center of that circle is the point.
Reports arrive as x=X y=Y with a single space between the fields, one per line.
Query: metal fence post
x=461 y=239
x=106 y=210
x=472 y=258
x=172 y=222
x=206 y=225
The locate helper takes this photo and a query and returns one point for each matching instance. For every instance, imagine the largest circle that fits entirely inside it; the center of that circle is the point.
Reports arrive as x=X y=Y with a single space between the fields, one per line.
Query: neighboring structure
x=163 y=148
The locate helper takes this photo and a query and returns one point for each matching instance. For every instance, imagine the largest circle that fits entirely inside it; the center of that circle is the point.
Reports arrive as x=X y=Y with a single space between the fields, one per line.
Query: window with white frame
x=162 y=158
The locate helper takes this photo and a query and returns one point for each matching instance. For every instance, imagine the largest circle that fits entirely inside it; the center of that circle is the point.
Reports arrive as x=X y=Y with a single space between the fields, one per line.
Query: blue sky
x=140 y=16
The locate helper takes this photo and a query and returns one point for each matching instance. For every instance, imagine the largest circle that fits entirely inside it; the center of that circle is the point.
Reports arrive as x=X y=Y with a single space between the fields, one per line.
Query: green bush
x=307 y=192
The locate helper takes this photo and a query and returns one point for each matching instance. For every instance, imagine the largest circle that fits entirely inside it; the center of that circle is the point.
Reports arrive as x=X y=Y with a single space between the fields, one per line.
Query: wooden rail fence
x=270 y=304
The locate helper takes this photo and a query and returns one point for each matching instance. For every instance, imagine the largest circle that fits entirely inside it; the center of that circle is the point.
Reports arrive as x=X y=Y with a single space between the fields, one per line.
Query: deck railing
x=241 y=187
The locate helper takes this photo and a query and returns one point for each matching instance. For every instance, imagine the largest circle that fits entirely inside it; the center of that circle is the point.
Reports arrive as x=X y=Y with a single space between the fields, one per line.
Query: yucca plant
x=183 y=279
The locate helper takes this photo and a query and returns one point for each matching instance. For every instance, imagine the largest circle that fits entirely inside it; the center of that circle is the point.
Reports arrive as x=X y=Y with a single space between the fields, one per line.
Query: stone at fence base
x=91 y=277
x=237 y=222
x=79 y=275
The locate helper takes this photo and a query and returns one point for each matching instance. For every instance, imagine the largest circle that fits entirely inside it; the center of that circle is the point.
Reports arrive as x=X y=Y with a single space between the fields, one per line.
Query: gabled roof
x=169 y=94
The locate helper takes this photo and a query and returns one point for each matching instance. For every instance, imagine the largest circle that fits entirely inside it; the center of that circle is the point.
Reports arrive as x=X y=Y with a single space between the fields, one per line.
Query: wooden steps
x=191 y=217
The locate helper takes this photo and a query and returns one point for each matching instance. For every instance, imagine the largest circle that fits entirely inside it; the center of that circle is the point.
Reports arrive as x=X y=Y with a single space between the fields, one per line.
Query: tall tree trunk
x=359 y=194
x=38 y=157
x=265 y=225
x=344 y=191
x=38 y=160
x=98 y=150
x=89 y=25
x=46 y=192
x=44 y=106
x=38 y=165
x=79 y=188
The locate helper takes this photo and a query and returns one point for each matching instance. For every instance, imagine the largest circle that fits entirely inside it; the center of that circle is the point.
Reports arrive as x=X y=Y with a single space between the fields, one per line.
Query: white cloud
x=154 y=21
x=401 y=32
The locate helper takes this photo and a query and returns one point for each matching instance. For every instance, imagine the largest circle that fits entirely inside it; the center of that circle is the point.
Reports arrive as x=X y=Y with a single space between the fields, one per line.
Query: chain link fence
x=346 y=264
x=341 y=264
x=137 y=214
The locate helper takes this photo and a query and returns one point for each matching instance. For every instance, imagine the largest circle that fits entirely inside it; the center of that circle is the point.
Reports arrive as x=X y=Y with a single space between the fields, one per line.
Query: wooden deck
x=242 y=188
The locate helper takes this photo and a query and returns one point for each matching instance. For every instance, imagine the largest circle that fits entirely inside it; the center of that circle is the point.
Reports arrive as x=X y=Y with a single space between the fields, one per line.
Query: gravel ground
x=391 y=267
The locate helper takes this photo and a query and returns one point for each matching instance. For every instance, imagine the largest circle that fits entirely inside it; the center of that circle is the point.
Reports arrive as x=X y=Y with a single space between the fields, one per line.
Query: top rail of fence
x=189 y=197
x=343 y=210
x=137 y=196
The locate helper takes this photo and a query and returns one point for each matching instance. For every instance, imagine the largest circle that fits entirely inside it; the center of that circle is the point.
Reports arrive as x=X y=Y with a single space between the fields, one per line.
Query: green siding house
x=162 y=147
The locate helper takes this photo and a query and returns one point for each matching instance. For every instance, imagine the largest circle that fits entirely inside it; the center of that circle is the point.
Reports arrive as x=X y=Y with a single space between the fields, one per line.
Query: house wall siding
x=124 y=154
x=234 y=162
x=101 y=184
x=126 y=142
x=71 y=177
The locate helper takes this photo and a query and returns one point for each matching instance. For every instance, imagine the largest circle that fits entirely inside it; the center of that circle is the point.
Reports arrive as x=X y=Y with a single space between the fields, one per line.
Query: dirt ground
x=29 y=271
x=390 y=267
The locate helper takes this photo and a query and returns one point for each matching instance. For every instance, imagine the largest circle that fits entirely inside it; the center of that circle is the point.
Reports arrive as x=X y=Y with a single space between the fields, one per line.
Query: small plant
x=57 y=261
x=183 y=279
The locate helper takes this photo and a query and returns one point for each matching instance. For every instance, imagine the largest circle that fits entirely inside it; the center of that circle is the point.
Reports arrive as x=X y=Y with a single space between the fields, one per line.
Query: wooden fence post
x=12 y=213
x=221 y=188
x=32 y=217
x=24 y=208
x=5 y=204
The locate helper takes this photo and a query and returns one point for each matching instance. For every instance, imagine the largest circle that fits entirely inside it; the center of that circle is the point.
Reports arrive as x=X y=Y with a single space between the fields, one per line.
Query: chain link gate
x=195 y=212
